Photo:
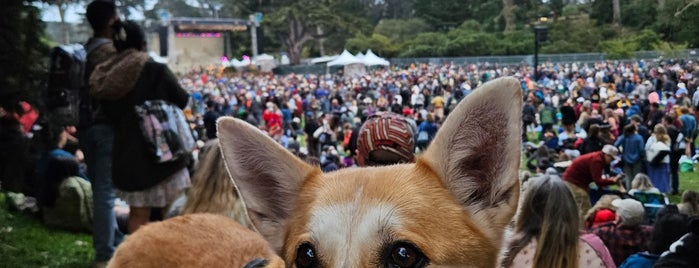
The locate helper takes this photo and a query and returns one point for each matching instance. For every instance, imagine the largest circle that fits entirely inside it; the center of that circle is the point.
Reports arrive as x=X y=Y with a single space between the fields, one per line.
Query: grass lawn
x=25 y=242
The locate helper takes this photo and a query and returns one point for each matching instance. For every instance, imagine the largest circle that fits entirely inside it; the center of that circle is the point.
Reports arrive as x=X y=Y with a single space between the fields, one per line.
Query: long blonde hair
x=642 y=183
x=660 y=133
x=604 y=202
x=212 y=189
x=550 y=215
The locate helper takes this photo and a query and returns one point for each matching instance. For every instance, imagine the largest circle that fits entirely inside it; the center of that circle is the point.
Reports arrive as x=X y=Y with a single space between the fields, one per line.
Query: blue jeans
x=97 y=147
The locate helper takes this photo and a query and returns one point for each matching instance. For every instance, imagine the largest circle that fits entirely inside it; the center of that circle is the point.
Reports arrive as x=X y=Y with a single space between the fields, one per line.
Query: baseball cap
x=629 y=210
x=385 y=138
x=611 y=151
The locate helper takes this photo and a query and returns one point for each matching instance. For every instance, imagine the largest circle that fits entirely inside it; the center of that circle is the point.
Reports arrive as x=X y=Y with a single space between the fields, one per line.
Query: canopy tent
x=344 y=59
x=324 y=59
x=370 y=59
x=266 y=62
x=360 y=55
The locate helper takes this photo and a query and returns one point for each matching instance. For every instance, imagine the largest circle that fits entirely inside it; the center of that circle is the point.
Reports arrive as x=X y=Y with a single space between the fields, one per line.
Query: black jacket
x=133 y=167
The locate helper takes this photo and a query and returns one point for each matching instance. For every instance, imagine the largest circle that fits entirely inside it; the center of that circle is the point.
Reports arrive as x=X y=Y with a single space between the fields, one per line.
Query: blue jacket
x=640 y=260
x=689 y=124
x=634 y=148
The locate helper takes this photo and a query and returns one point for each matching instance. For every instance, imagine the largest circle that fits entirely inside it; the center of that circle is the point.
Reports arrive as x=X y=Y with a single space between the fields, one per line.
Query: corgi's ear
x=476 y=153
x=268 y=177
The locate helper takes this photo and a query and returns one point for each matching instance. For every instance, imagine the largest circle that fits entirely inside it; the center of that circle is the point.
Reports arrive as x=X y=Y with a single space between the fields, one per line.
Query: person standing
x=676 y=152
x=210 y=117
x=633 y=145
x=97 y=134
x=586 y=169
x=658 y=146
x=130 y=78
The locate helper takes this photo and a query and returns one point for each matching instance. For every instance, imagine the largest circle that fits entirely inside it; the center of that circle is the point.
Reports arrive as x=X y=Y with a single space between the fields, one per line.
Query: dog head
x=449 y=209
x=195 y=240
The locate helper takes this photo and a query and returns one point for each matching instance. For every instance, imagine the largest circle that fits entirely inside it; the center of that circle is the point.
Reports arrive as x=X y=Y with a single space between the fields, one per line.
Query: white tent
x=371 y=59
x=266 y=62
x=324 y=59
x=345 y=58
x=360 y=55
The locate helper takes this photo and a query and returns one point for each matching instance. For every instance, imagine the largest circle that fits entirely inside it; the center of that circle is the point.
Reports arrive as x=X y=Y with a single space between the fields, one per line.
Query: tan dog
x=195 y=240
x=449 y=209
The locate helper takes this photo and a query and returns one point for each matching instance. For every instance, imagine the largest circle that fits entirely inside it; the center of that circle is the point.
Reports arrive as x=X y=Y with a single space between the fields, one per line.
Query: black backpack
x=67 y=96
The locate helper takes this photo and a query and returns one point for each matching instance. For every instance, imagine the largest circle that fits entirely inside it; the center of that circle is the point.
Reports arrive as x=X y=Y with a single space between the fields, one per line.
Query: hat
x=611 y=151
x=629 y=210
x=681 y=85
x=646 y=82
x=386 y=131
x=604 y=215
x=681 y=91
x=580 y=99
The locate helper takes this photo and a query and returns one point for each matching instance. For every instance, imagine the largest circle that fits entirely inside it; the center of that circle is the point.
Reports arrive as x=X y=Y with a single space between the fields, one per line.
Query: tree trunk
x=508 y=12
x=321 y=41
x=62 y=14
x=616 y=15
x=661 y=5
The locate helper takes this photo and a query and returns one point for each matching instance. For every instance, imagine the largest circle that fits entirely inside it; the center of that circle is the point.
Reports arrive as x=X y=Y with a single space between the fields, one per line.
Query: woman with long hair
x=602 y=212
x=547 y=231
x=641 y=183
x=659 y=171
x=128 y=79
x=690 y=203
x=212 y=189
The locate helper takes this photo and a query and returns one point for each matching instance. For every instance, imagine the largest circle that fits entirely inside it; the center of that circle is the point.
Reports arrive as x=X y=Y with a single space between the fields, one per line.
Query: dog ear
x=268 y=177
x=476 y=153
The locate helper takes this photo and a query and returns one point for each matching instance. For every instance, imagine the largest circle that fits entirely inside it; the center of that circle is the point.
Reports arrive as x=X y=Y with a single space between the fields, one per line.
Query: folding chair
x=652 y=202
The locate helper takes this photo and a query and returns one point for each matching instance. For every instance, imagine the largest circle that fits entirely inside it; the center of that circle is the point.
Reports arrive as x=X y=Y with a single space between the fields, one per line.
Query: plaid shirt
x=623 y=241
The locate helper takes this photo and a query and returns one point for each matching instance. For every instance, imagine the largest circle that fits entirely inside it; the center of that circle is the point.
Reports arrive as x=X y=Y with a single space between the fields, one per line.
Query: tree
x=442 y=14
x=297 y=22
x=508 y=13
x=22 y=47
x=62 y=6
x=616 y=12
x=399 y=30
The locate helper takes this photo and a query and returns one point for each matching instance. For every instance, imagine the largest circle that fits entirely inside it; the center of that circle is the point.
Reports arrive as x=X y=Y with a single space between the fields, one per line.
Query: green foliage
x=443 y=14
x=378 y=43
x=401 y=30
x=638 y=14
x=22 y=48
x=618 y=48
x=425 y=45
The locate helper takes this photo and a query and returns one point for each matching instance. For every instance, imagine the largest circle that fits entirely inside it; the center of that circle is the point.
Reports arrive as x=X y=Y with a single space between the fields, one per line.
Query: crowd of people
x=603 y=142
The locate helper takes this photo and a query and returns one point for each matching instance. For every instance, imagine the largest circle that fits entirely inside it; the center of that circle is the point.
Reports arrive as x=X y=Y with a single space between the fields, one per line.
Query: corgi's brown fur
x=195 y=240
x=449 y=209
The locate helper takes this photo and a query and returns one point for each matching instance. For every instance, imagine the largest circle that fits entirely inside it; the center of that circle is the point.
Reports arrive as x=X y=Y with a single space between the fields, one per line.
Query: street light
x=540 y=34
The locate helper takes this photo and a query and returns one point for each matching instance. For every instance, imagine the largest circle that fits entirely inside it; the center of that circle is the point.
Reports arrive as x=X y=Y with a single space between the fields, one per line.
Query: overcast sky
x=75 y=13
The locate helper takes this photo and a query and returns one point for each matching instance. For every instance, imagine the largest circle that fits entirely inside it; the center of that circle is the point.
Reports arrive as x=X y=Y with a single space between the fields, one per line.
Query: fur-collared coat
x=128 y=79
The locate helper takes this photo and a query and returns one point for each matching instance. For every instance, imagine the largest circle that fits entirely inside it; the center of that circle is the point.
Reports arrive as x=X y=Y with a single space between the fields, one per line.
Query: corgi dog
x=448 y=209
x=195 y=240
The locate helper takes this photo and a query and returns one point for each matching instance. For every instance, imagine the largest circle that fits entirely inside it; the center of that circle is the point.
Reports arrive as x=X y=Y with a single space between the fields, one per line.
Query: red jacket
x=586 y=169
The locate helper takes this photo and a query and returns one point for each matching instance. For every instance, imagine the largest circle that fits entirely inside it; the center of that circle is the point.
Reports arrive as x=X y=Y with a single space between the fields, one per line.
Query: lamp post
x=540 y=33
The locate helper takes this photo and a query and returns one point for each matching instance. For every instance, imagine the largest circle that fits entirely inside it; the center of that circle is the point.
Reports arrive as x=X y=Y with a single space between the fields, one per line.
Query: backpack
x=165 y=130
x=66 y=94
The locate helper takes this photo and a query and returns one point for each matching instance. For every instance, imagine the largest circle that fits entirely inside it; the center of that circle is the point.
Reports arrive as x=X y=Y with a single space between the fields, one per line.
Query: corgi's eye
x=306 y=256
x=405 y=255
